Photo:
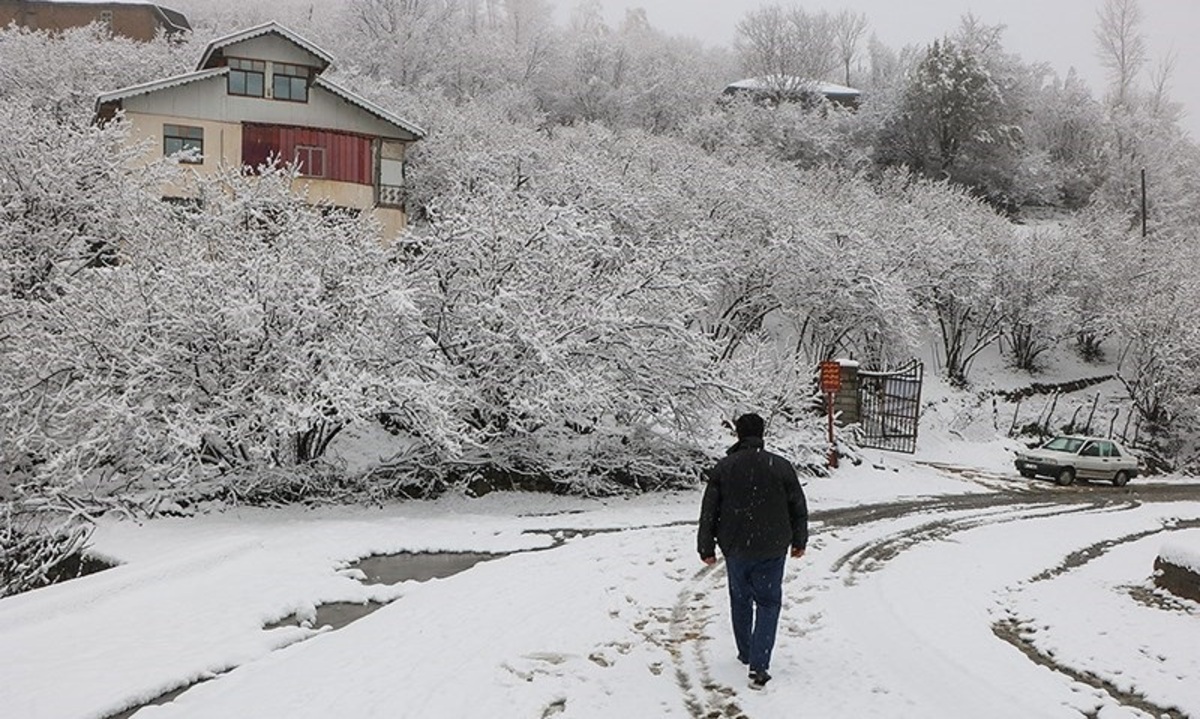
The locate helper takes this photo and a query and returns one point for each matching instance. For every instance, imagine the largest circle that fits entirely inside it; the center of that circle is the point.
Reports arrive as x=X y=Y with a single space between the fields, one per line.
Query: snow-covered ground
x=891 y=618
x=937 y=585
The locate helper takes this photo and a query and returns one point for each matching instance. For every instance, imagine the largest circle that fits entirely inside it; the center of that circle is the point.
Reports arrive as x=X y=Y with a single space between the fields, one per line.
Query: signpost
x=831 y=382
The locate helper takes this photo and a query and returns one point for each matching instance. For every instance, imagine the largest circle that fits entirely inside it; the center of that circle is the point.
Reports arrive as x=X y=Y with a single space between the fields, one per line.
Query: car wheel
x=1066 y=477
x=1121 y=478
x=1027 y=474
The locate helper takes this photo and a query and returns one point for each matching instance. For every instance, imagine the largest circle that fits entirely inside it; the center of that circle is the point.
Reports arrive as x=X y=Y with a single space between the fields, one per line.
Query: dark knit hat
x=749 y=425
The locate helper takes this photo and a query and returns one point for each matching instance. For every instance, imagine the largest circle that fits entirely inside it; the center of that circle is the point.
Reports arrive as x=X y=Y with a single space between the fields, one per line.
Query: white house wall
x=272 y=48
x=223 y=150
x=209 y=100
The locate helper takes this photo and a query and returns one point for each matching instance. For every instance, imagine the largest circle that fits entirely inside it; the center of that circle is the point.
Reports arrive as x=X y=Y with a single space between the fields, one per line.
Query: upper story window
x=182 y=138
x=247 y=77
x=310 y=161
x=289 y=82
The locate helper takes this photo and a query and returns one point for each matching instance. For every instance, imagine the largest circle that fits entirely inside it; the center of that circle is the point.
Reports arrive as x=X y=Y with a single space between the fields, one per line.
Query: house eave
x=268 y=28
x=147 y=88
x=412 y=132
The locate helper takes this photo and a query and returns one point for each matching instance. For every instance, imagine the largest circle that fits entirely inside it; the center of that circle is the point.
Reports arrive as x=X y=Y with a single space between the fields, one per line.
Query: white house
x=258 y=96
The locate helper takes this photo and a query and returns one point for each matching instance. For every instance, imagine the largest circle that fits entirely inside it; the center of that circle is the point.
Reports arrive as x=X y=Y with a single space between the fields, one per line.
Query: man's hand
x=797 y=552
x=709 y=560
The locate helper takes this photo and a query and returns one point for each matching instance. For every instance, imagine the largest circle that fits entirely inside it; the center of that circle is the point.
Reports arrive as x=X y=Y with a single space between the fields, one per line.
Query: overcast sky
x=1055 y=31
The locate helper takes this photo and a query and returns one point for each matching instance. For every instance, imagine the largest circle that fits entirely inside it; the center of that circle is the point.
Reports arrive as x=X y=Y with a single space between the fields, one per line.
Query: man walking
x=755 y=510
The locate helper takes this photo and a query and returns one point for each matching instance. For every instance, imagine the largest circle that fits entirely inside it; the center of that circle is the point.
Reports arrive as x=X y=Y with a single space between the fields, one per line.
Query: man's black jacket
x=753 y=505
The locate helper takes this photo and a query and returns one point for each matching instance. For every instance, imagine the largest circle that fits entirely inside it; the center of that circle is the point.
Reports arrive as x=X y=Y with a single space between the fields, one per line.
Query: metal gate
x=889 y=406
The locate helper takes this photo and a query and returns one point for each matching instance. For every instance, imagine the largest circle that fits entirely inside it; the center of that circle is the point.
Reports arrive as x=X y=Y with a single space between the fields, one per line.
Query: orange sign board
x=831 y=376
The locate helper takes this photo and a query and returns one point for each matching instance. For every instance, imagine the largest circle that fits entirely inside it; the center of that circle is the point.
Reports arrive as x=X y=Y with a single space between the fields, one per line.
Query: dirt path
x=693 y=618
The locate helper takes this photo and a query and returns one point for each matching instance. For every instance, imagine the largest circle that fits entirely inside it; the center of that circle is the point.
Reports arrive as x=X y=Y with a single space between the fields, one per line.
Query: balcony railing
x=391 y=196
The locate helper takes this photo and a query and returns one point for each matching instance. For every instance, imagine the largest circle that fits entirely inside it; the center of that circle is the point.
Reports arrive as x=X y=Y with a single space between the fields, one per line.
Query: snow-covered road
x=925 y=593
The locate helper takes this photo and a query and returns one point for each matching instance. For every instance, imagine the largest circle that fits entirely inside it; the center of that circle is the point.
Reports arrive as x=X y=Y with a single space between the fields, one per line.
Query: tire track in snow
x=703 y=695
x=872 y=555
x=688 y=643
x=705 y=698
x=1013 y=630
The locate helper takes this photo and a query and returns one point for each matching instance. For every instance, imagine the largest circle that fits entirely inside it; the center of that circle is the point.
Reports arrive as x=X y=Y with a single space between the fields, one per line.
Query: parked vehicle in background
x=1067 y=458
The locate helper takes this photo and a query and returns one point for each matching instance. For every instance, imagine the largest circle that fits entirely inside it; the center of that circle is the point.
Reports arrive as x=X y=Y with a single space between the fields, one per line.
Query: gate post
x=831 y=382
x=846 y=405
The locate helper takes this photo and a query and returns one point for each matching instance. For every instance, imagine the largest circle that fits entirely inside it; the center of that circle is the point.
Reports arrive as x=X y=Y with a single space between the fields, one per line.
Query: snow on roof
x=148 y=87
x=268 y=28
x=775 y=82
x=97 y=2
x=364 y=104
x=174 y=17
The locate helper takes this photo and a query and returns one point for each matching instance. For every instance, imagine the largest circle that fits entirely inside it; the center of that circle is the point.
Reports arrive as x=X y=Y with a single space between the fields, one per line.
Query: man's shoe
x=759 y=679
x=743 y=660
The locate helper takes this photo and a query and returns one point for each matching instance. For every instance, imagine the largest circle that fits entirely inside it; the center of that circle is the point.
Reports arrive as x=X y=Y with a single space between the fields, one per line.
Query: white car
x=1067 y=458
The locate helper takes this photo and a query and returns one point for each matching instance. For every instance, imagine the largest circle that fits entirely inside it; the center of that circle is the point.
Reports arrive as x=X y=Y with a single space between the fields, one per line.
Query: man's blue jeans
x=755 y=598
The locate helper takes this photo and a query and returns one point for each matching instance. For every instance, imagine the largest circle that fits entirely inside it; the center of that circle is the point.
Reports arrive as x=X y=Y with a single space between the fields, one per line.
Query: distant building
x=258 y=96
x=134 y=20
x=786 y=88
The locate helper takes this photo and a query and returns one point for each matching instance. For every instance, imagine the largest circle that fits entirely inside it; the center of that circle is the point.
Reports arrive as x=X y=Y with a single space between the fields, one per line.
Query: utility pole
x=1143 y=202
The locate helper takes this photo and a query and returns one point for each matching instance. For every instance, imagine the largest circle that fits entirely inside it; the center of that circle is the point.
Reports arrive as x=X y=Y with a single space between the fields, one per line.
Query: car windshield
x=1064 y=444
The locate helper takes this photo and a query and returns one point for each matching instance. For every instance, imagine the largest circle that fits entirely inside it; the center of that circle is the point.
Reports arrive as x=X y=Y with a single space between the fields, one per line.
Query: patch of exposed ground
x=1011 y=631
x=1053 y=388
x=1180 y=581
x=1158 y=599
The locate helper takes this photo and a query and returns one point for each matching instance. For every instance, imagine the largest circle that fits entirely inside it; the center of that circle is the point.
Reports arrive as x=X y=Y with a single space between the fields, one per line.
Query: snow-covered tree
x=66 y=197
x=86 y=62
x=803 y=136
x=242 y=334
x=1121 y=46
x=952 y=271
x=1067 y=127
x=1158 y=361
x=1034 y=279
x=848 y=30
x=952 y=107
x=785 y=45
x=404 y=41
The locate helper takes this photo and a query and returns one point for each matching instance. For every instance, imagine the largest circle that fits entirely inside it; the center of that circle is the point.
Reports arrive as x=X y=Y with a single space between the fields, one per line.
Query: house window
x=310 y=160
x=289 y=82
x=247 y=77
x=181 y=138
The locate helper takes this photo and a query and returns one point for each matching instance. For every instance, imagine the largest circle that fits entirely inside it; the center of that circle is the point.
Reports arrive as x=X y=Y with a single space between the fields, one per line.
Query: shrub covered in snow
x=574 y=305
x=38 y=547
